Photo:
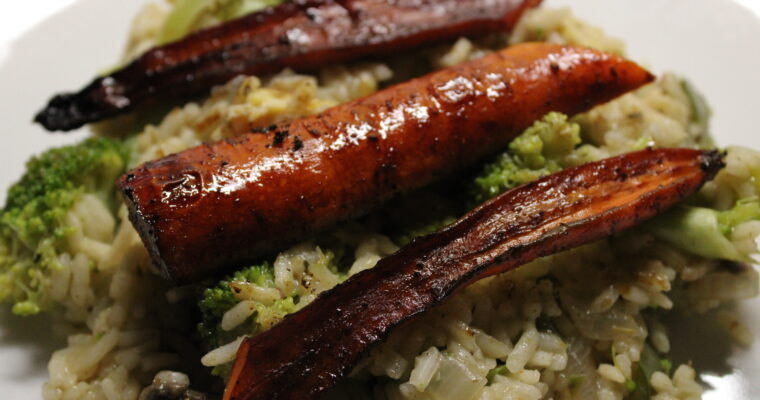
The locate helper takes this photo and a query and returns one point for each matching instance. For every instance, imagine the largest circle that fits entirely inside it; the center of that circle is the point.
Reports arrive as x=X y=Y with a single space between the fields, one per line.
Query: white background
x=52 y=45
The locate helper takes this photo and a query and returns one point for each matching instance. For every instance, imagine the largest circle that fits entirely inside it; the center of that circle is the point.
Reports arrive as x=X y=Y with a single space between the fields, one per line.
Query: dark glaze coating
x=309 y=351
x=303 y=35
x=223 y=204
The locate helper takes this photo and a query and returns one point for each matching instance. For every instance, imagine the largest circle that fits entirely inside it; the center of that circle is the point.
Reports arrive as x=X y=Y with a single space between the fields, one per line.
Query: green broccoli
x=704 y=231
x=186 y=14
x=222 y=296
x=539 y=151
x=32 y=223
x=219 y=298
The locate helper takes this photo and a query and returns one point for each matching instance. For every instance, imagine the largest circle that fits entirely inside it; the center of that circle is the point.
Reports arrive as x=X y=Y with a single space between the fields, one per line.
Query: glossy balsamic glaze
x=302 y=34
x=223 y=204
x=308 y=351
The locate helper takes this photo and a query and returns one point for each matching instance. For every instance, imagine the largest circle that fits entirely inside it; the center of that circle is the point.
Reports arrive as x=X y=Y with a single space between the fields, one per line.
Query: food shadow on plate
x=700 y=340
x=31 y=336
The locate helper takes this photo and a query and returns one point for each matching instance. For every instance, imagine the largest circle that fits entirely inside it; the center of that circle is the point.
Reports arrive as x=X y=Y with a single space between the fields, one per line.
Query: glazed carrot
x=308 y=351
x=224 y=204
x=302 y=34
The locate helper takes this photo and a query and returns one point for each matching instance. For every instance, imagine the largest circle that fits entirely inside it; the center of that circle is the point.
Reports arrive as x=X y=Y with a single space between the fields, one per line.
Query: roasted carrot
x=308 y=351
x=224 y=204
x=302 y=35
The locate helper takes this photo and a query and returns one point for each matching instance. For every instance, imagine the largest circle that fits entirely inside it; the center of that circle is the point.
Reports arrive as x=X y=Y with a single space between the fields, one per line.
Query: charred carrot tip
x=712 y=162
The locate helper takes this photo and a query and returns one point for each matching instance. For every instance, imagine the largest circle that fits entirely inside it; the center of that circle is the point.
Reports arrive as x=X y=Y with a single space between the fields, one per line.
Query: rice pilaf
x=578 y=325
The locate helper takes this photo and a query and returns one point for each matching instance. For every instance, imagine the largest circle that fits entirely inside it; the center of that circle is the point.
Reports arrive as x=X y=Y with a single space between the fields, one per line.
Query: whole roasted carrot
x=308 y=351
x=223 y=204
x=302 y=34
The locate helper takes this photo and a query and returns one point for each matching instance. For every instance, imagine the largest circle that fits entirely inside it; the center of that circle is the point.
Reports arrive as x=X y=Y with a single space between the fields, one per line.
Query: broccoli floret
x=32 y=223
x=542 y=149
x=215 y=302
x=539 y=151
x=219 y=298
x=705 y=231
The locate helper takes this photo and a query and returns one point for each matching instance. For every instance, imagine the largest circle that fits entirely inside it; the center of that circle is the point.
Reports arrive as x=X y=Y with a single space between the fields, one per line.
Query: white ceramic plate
x=715 y=43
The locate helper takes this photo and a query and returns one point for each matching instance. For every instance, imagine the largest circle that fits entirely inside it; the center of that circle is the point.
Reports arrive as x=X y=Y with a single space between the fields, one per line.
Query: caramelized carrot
x=308 y=351
x=302 y=34
x=224 y=204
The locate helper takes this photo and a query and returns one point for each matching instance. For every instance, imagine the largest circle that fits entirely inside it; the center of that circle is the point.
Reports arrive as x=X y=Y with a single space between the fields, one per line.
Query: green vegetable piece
x=704 y=231
x=219 y=298
x=33 y=227
x=186 y=15
x=182 y=18
x=666 y=366
x=28 y=307
x=575 y=382
x=747 y=209
x=539 y=34
x=537 y=152
x=648 y=364
x=499 y=370
x=643 y=143
x=540 y=150
x=237 y=8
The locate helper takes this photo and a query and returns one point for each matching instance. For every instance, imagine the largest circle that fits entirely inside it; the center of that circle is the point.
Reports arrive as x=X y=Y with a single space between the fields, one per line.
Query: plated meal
x=376 y=199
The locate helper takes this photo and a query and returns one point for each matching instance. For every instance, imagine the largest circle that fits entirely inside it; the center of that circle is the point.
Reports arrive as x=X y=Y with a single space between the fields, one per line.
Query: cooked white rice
x=574 y=333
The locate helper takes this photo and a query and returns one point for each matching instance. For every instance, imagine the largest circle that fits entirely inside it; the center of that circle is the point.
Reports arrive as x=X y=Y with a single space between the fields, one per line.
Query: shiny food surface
x=564 y=210
x=223 y=204
x=303 y=35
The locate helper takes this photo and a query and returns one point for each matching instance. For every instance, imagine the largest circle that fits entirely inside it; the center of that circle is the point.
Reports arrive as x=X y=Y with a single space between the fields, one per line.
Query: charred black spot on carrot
x=279 y=138
x=297 y=143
